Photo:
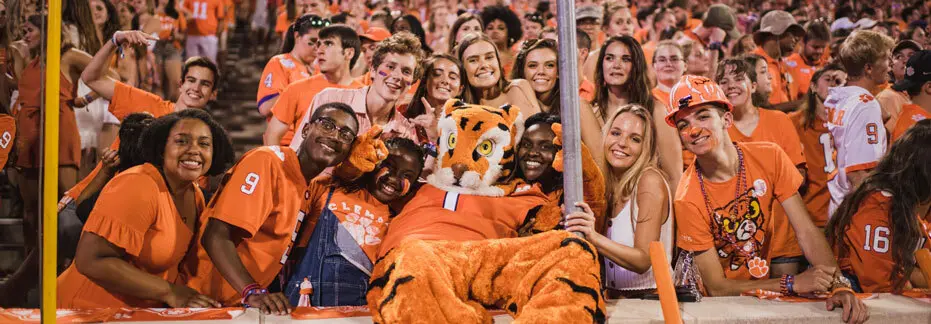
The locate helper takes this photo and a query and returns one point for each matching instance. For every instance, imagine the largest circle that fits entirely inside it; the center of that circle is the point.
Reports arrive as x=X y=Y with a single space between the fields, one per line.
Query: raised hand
x=428 y=120
x=367 y=152
x=133 y=37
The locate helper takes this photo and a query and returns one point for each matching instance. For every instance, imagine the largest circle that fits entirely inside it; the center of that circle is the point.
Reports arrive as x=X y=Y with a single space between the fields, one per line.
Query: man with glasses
x=255 y=215
x=337 y=49
x=395 y=66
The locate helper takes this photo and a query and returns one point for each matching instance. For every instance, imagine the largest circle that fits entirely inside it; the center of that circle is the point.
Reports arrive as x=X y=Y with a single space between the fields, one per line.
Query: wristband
x=715 y=45
x=247 y=288
x=251 y=292
x=784 y=285
x=88 y=98
x=790 y=284
x=113 y=40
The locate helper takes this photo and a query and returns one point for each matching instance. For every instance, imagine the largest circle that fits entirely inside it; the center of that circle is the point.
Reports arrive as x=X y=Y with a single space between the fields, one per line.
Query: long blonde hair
x=622 y=186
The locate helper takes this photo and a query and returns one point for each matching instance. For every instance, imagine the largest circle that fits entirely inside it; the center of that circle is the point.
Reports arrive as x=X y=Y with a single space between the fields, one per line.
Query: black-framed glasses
x=345 y=134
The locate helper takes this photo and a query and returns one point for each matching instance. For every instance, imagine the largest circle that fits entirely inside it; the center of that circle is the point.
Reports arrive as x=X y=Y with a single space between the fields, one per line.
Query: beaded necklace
x=741 y=182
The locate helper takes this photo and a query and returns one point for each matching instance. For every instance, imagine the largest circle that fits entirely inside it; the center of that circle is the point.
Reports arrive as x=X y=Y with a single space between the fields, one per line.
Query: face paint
x=382 y=73
x=405 y=184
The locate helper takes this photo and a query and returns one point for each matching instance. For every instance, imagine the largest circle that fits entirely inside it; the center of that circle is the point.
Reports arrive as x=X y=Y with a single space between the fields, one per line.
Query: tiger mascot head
x=476 y=148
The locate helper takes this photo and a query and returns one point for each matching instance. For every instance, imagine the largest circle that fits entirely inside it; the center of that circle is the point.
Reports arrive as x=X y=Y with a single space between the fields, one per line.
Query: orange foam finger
x=664 y=286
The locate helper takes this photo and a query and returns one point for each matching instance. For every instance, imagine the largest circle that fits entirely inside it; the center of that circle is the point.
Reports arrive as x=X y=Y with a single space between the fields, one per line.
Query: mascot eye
x=730 y=226
x=486 y=147
x=753 y=211
x=451 y=141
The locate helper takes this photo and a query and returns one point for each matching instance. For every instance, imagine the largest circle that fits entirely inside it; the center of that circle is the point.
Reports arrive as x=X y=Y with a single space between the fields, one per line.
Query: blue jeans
x=332 y=264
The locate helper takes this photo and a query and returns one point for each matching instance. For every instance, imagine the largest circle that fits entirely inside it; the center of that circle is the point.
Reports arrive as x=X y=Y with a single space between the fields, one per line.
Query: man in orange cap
x=777 y=38
x=370 y=40
x=731 y=236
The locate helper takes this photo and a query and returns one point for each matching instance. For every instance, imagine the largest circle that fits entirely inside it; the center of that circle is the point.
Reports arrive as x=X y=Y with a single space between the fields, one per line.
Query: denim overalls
x=334 y=263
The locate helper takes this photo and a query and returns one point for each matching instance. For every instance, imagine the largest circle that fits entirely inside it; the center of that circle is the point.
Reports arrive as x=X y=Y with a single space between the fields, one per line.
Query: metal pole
x=49 y=220
x=569 y=104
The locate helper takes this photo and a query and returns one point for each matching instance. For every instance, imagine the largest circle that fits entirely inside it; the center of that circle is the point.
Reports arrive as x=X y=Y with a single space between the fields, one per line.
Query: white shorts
x=92 y=117
x=205 y=46
x=260 y=15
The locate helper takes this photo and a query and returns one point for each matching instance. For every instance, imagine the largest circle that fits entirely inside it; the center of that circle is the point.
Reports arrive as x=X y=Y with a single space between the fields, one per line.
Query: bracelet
x=247 y=288
x=715 y=45
x=251 y=292
x=790 y=284
x=837 y=290
x=88 y=98
x=113 y=40
x=784 y=285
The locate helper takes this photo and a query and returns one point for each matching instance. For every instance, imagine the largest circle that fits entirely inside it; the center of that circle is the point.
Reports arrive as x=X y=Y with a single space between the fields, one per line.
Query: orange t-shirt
x=365 y=79
x=125 y=101
x=205 y=17
x=649 y=49
x=910 y=115
x=359 y=213
x=280 y=71
x=282 y=22
x=265 y=195
x=775 y=127
x=587 y=90
x=868 y=240
x=296 y=98
x=742 y=227
x=136 y=213
x=7 y=137
x=437 y=214
x=662 y=97
x=782 y=88
x=801 y=73
x=819 y=157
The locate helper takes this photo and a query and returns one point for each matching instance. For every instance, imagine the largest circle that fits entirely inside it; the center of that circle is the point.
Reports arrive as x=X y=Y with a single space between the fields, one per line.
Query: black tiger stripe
x=580 y=242
x=394 y=290
x=504 y=127
x=478 y=126
x=476 y=156
x=506 y=107
x=383 y=280
x=451 y=152
x=597 y=315
x=463 y=122
x=512 y=308
x=507 y=154
x=494 y=112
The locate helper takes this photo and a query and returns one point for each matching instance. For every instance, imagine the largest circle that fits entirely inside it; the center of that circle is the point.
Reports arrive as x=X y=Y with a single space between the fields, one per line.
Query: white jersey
x=856 y=125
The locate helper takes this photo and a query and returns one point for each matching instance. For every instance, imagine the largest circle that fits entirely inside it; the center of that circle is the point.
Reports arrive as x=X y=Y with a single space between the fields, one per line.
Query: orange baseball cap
x=376 y=34
x=692 y=91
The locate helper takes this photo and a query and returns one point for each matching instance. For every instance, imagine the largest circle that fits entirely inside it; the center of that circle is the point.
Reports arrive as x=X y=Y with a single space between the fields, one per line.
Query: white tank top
x=621 y=230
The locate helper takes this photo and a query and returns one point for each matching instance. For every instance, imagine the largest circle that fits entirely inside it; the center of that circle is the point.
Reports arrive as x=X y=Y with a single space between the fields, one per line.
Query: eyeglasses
x=671 y=60
x=346 y=135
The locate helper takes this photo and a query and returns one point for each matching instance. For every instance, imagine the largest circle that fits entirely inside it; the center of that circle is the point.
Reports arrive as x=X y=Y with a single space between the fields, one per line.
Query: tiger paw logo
x=735 y=228
x=362 y=229
x=758 y=268
x=866 y=98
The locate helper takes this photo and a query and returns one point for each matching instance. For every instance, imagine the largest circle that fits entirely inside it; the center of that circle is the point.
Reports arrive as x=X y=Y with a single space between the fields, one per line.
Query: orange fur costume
x=453 y=251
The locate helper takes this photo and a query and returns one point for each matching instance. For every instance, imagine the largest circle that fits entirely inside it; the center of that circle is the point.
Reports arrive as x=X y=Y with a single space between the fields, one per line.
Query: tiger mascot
x=454 y=251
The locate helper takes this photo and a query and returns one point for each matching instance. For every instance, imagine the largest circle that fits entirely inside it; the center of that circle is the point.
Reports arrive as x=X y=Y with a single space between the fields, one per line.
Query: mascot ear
x=451 y=105
x=514 y=117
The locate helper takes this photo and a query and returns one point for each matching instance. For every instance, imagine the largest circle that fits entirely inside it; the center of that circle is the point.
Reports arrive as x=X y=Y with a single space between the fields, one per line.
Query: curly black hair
x=131 y=129
x=416 y=29
x=156 y=135
x=510 y=19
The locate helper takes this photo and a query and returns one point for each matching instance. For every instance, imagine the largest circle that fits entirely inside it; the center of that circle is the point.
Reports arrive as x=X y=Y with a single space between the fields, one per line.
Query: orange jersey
x=649 y=49
x=775 y=127
x=265 y=195
x=436 y=214
x=280 y=71
x=819 y=158
x=741 y=228
x=7 y=137
x=205 y=16
x=168 y=26
x=801 y=73
x=868 y=239
x=910 y=115
x=892 y=102
x=359 y=213
x=783 y=90
x=365 y=79
x=136 y=213
x=296 y=98
x=282 y=22
x=28 y=119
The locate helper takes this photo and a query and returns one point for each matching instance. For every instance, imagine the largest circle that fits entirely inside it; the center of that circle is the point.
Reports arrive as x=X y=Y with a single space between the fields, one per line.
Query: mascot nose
x=458 y=170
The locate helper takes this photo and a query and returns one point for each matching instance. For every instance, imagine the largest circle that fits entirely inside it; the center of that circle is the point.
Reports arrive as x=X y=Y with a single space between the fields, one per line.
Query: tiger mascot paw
x=367 y=151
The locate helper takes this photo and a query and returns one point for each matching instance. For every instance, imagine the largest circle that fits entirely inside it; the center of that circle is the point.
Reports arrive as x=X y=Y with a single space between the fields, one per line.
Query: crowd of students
x=811 y=113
